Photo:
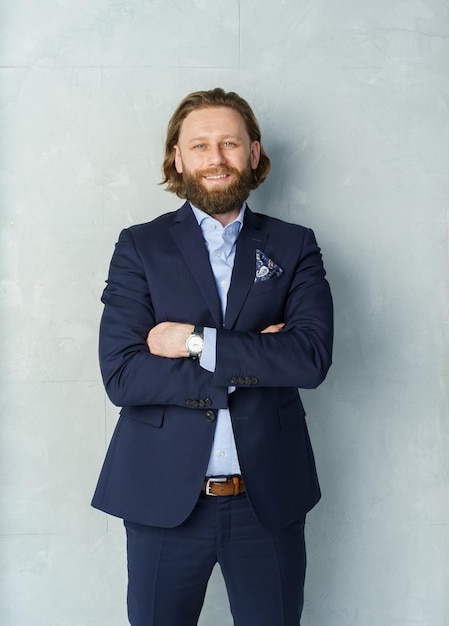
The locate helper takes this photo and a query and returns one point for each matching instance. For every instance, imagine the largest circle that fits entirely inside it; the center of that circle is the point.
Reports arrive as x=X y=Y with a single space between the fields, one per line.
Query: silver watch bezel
x=193 y=348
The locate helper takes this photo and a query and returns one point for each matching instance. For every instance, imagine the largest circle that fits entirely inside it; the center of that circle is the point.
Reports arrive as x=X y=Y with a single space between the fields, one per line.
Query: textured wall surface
x=353 y=99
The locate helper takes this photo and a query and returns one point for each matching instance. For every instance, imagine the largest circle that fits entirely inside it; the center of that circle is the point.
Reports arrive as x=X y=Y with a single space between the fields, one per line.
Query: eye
x=199 y=146
x=229 y=144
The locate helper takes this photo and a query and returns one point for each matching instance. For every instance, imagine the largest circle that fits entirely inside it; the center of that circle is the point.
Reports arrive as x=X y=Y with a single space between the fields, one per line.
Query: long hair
x=203 y=100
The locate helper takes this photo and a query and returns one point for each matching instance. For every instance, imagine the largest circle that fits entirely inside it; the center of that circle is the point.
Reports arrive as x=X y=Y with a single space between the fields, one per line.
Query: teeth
x=216 y=177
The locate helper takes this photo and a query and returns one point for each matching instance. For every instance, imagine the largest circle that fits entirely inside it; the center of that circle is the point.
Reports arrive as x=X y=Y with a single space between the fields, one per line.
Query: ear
x=255 y=154
x=178 y=160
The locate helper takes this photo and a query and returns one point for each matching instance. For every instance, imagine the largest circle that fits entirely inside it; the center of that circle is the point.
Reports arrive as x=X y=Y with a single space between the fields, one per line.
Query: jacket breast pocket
x=151 y=415
x=291 y=414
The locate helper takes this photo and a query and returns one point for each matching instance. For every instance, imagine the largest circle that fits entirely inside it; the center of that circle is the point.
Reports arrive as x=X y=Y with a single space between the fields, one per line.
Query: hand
x=169 y=339
x=274 y=328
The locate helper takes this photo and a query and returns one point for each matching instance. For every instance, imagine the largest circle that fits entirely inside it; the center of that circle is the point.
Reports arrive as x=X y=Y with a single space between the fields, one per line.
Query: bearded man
x=213 y=317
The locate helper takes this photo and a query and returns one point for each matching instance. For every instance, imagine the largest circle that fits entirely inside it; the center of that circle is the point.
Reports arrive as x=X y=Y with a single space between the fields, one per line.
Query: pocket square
x=266 y=268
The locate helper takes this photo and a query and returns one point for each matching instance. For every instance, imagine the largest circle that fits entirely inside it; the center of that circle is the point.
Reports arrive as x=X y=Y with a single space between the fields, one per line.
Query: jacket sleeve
x=131 y=374
x=298 y=356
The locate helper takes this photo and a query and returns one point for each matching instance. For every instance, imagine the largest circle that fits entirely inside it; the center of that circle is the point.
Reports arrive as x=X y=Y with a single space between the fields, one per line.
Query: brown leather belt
x=224 y=486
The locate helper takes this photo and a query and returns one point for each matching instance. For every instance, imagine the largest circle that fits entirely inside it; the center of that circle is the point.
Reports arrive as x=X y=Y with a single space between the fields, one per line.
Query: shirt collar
x=201 y=216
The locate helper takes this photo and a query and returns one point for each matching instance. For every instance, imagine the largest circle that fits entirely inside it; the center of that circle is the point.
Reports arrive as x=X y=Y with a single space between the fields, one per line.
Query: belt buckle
x=220 y=479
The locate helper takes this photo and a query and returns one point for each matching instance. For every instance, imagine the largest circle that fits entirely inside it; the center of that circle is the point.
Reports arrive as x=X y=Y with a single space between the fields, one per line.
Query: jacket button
x=234 y=380
x=254 y=380
x=209 y=416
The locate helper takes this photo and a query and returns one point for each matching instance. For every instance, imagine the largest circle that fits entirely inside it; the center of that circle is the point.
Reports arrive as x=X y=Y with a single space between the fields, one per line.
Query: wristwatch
x=195 y=342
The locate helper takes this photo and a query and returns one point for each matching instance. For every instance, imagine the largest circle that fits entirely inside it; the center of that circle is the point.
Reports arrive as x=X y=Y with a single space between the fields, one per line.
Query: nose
x=216 y=155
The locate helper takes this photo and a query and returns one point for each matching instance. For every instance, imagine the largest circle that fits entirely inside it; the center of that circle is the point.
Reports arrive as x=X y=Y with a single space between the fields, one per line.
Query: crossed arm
x=168 y=339
x=141 y=367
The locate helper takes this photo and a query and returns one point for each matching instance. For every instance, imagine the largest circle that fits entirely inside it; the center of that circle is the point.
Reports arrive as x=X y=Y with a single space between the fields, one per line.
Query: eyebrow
x=222 y=138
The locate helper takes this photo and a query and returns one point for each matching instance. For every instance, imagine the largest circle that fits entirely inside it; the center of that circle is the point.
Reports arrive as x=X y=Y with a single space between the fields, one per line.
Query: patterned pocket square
x=266 y=268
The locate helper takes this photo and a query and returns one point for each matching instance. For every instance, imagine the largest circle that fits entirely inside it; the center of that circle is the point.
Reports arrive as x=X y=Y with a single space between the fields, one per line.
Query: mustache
x=216 y=171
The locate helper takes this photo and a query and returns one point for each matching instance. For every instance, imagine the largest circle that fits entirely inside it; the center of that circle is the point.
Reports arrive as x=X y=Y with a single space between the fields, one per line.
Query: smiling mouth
x=216 y=177
x=212 y=176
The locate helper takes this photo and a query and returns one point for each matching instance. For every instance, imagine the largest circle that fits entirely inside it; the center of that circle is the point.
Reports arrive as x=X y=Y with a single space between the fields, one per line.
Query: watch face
x=195 y=344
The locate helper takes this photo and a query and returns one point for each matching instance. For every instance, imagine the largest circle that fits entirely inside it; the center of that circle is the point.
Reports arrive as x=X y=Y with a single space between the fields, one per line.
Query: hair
x=207 y=100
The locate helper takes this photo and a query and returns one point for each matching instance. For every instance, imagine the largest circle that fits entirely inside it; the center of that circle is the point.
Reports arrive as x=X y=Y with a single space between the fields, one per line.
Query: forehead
x=213 y=121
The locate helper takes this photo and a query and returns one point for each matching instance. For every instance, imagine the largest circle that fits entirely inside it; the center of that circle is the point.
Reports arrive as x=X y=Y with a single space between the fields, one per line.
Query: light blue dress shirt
x=221 y=244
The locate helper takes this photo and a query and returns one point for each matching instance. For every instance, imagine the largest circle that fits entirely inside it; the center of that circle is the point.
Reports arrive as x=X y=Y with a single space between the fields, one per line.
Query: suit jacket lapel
x=251 y=237
x=187 y=234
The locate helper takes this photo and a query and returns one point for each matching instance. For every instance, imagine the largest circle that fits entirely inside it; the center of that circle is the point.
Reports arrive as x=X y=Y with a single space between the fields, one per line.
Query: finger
x=274 y=328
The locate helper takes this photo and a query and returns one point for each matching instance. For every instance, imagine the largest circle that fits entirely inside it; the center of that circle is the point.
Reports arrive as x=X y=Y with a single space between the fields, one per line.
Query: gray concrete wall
x=353 y=100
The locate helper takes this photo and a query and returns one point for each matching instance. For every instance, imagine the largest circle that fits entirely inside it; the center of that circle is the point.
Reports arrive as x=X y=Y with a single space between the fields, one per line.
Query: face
x=216 y=157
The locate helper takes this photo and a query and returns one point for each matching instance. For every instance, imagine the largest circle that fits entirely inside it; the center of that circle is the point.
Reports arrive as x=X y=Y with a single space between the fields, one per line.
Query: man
x=214 y=316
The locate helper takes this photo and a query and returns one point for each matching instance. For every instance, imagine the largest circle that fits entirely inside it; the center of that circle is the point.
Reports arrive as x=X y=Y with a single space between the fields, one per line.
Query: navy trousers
x=169 y=568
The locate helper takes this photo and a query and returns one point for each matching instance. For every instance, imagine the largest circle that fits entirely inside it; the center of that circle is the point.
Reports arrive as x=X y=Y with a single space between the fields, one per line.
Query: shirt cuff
x=208 y=356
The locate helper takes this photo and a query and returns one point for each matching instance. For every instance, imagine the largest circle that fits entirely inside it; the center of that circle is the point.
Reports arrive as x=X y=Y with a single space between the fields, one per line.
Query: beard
x=218 y=201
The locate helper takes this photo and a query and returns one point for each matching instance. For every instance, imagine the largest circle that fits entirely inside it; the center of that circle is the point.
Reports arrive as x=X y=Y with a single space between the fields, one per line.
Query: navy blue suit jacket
x=158 y=455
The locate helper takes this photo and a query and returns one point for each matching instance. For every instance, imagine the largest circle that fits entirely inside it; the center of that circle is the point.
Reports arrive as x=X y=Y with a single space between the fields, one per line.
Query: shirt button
x=221 y=453
x=224 y=283
x=209 y=416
